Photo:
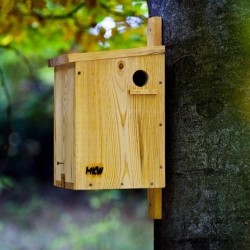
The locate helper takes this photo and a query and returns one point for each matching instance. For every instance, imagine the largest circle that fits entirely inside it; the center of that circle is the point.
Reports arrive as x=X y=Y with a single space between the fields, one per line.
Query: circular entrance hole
x=140 y=78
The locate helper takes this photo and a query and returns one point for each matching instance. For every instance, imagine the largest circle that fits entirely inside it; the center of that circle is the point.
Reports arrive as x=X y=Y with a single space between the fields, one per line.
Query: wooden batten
x=143 y=92
x=154 y=38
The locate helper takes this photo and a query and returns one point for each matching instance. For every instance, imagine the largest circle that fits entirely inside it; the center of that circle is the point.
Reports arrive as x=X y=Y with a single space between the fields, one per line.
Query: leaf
x=6 y=5
x=61 y=2
x=7 y=40
x=28 y=4
x=38 y=4
x=76 y=1
x=90 y=3
x=6 y=183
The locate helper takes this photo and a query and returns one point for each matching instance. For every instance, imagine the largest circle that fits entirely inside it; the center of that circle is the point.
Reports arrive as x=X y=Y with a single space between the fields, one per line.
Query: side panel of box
x=64 y=173
x=120 y=127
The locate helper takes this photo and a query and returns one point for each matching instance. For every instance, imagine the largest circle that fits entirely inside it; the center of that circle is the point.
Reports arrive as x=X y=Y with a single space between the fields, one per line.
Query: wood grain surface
x=109 y=133
x=154 y=38
x=64 y=123
x=120 y=132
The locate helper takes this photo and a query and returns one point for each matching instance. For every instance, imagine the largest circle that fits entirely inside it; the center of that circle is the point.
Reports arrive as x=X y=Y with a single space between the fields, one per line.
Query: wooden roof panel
x=78 y=57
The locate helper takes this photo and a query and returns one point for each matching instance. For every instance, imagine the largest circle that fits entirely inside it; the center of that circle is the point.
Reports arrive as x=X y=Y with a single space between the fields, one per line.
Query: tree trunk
x=206 y=204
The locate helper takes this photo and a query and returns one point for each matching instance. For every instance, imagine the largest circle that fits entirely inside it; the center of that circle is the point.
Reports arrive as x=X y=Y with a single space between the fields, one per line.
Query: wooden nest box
x=109 y=119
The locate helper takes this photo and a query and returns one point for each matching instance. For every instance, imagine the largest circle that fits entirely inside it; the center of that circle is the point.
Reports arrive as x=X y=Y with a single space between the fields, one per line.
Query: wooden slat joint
x=65 y=184
x=63 y=180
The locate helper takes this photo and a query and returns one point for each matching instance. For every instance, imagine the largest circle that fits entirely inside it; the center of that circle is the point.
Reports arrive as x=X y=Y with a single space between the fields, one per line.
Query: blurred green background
x=33 y=213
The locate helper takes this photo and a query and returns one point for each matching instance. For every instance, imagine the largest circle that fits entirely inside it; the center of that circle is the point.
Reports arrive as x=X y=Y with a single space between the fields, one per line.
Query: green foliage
x=6 y=183
x=106 y=234
x=75 y=237
x=21 y=211
x=49 y=27
x=99 y=199
x=56 y=223
x=31 y=32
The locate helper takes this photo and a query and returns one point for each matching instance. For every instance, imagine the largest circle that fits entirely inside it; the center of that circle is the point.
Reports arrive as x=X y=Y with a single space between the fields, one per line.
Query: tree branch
x=8 y=108
x=120 y=14
x=56 y=17
x=20 y=55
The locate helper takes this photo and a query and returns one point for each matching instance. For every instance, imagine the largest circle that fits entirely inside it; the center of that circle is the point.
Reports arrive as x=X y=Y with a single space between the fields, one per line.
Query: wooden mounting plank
x=155 y=203
x=154 y=38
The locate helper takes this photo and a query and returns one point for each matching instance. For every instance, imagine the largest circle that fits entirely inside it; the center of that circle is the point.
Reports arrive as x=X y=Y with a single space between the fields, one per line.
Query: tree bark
x=206 y=204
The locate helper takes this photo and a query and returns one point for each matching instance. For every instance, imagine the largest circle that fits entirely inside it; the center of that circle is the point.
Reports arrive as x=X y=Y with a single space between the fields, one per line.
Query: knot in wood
x=121 y=65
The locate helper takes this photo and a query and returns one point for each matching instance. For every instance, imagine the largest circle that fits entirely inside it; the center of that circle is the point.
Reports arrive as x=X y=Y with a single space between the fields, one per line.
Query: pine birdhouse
x=109 y=119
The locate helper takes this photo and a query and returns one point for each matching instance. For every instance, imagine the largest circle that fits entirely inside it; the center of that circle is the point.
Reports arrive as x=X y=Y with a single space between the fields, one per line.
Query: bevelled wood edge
x=143 y=91
x=78 y=57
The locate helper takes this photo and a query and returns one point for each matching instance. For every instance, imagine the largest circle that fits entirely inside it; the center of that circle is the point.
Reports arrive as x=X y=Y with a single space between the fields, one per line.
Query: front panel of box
x=119 y=123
